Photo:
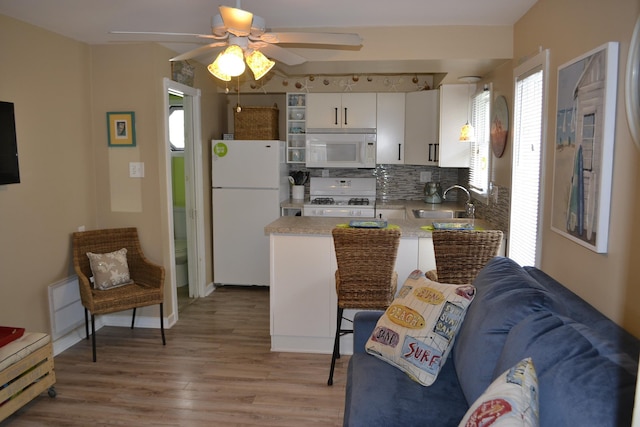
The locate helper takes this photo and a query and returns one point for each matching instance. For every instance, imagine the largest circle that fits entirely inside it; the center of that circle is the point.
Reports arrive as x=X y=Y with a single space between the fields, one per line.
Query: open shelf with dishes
x=296 y=127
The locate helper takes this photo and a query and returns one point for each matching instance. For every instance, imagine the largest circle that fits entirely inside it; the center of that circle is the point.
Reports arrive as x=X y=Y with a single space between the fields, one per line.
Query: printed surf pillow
x=510 y=401
x=416 y=332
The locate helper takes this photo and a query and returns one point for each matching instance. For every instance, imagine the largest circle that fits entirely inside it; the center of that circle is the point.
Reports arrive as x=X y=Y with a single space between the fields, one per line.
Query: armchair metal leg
x=93 y=335
x=164 y=342
x=133 y=318
x=86 y=323
x=336 y=345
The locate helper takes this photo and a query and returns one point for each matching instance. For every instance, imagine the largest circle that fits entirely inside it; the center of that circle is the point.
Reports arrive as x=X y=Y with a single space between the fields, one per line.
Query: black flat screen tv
x=9 y=171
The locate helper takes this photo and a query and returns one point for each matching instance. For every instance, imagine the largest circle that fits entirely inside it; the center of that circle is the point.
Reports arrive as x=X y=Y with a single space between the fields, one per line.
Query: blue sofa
x=586 y=364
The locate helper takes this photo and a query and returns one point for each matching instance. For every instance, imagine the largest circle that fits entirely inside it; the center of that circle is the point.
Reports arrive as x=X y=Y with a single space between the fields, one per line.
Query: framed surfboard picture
x=583 y=157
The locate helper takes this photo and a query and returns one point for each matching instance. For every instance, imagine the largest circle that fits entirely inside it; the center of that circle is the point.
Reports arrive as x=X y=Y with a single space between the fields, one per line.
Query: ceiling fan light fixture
x=214 y=68
x=231 y=61
x=259 y=64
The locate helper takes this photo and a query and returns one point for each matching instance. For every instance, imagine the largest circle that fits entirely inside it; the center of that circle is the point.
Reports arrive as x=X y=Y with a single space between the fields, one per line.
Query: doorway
x=184 y=102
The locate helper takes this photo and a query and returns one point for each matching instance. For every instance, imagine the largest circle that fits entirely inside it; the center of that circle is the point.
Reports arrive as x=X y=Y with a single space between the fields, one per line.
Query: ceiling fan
x=238 y=27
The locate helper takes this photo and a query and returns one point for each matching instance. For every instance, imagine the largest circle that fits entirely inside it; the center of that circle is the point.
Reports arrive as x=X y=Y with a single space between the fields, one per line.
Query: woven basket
x=256 y=123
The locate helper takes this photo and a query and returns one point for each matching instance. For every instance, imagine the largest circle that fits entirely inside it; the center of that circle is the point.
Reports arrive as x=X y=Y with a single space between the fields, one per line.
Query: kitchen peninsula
x=302 y=285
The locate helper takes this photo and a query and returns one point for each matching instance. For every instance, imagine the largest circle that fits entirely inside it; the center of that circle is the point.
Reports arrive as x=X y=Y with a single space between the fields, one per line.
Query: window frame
x=481 y=104
x=533 y=65
x=173 y=108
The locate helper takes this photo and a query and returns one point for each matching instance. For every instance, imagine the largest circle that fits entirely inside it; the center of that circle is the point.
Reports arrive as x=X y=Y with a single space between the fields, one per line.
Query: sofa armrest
x=363 y=324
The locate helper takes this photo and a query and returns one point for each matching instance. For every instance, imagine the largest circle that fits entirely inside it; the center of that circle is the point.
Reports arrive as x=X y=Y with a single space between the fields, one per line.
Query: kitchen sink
x=431 y=214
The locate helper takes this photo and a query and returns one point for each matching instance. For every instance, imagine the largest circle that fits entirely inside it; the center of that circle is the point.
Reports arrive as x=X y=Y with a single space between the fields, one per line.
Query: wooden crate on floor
x=26 y=379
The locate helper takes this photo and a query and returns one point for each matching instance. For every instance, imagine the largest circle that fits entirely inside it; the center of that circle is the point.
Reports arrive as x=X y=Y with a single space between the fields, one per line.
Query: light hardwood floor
x=216 y=369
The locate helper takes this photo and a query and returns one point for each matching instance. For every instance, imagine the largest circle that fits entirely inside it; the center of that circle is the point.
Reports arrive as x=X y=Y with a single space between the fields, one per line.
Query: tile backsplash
x=402 y=182
x=397 y=182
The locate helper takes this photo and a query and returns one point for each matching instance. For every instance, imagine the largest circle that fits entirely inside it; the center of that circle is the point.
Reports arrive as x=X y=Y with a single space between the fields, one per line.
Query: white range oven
x=341 y=197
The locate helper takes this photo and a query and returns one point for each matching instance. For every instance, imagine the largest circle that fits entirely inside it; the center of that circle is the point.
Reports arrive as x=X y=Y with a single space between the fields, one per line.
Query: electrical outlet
x=325 y=173
x=425 y=176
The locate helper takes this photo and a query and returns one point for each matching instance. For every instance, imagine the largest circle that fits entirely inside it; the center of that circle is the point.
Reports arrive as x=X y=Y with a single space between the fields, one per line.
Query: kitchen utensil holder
x=297 y=192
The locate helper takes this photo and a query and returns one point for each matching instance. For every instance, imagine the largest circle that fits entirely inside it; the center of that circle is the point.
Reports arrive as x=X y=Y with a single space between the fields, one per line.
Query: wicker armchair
x=366 y=278
x=460 y=254
x=148 y=278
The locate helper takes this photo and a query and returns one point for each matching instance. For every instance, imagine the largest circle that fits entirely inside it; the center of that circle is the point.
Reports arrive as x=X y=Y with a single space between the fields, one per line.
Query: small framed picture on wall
x=121 y=129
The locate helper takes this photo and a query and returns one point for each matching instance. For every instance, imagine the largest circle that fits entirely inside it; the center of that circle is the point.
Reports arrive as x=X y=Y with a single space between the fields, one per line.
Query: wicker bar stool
x=461 y=254
x=366 y=278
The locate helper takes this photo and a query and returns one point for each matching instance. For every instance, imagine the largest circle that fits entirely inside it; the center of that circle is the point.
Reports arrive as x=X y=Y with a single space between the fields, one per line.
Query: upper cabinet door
x=454 y=112
x=359 y=110
x=421 y=128
x=390 y=125
x=323 y=110
x=341 y=110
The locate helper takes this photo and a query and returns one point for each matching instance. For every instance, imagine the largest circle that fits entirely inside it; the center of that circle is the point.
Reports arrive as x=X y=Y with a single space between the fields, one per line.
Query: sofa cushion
x=378 y=394
x=505 y=294
x=417 y=330
x=510 y=401
x=583 y=378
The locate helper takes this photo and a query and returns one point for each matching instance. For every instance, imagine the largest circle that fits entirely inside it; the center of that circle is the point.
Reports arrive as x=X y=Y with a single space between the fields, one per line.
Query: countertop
x=322 y=226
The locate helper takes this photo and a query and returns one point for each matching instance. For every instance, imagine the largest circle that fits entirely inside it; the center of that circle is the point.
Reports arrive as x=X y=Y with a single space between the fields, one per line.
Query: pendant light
x=467 y=133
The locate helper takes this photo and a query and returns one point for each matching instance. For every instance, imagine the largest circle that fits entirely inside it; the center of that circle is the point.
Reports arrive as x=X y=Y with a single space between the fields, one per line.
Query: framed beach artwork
x=584 y=143
x=121 y=129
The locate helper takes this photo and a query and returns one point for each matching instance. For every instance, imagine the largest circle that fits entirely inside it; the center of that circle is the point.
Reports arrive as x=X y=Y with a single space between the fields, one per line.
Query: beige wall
x=47 y=77
x=570 y=28
x=62 y=90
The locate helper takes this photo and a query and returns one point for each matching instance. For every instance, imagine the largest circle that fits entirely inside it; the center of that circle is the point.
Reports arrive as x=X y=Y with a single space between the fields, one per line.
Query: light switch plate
x=425 y=176
x=136 y=170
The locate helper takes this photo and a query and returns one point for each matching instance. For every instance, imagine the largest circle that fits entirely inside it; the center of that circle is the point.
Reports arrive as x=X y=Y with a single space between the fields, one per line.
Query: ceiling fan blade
x=282 y=55
x=198 y=51
x=162 y=33
x=336 y=39
x=237 y=21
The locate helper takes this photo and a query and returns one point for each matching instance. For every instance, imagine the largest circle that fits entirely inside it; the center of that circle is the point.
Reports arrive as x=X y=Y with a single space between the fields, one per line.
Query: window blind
x=527 y=157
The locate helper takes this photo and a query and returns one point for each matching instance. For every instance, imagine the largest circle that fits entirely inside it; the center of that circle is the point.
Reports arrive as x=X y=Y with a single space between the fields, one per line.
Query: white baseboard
x=121 y=319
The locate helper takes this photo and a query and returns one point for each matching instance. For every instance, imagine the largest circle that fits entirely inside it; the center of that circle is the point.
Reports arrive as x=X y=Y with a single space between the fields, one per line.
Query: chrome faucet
x=469 y=207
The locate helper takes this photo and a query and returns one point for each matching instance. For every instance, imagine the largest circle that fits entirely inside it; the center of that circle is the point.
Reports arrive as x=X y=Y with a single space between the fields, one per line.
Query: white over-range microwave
x=343 y=149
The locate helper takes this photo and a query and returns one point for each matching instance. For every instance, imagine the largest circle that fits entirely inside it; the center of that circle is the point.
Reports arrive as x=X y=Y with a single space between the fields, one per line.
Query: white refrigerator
x=249 y=180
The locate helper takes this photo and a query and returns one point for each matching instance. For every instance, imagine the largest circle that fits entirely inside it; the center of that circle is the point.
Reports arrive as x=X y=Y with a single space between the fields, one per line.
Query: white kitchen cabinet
x=426 y=255
x=341 y=110
x=433 y=119
x=303 y=296
x=454 y=112
x=422 y=121
x=390 y=123
x=302 y=293
x=391 y=213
